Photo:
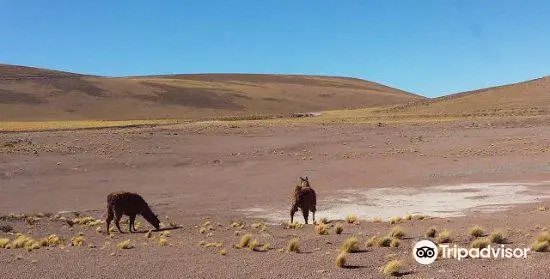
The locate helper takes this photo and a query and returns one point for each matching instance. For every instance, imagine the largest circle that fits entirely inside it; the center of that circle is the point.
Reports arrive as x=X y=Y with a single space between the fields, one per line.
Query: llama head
x=151 y=218
x=305 y=181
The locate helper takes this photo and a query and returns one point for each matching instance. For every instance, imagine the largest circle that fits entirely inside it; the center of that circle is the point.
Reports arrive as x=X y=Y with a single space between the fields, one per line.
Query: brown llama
x=304 y=198
x=130 y=204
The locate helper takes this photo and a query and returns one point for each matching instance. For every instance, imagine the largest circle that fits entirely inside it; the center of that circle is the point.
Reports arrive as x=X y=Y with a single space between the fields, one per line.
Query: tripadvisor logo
x=426 y=252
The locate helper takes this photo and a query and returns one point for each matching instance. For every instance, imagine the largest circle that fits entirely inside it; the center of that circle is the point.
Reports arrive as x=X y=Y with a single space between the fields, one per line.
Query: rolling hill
x=518 y=99
x=28 y=93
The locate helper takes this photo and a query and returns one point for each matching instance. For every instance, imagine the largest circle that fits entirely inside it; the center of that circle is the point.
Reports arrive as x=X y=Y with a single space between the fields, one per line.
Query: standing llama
x=304 y=198
x=130 y=204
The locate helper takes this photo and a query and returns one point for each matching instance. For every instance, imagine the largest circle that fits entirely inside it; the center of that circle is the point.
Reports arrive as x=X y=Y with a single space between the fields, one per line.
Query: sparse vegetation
x=253 y=244
x=476 y=231
x=408 y=217
x=351 y=219
x=384 y=241
x=393 y=268
x=444 y=237
x=543 y=237
x=430 y=232
x=420 y=217
x=497 y=237
x=4 y=242
x=395 y=220
x=78 y=240
x=125 y=244
x=222 y=252
x=539 y=246
x=397 y=232
x=162 y=241
x=293 y=246
x=341 y=259
x=394 y=242
x=245 y=239
x=50 y=241
x=288 y=225
x=338 y=229
x=350 y=245
x=323 y=220
x=321 y=229
x=480 y=243
x=371 y=241
x=542 y=208
x=377 y=219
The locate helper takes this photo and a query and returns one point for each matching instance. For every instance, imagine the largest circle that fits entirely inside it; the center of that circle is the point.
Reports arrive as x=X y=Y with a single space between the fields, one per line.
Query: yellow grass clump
x=394 y=242
x=338 y=229
x=22 y=241
x=293 y=246
x=243 y=242
x=480 y=243
x=397 y=232
x=393 y=268
x=395 y=220
x=443 y=237
x=4 y=242
x=321 y=229
x=50 y=240
x=77 y=241
x=125 y=244
x=323 y=220
x=543 y=237
x=408 y=217
x=351 y=219
x=288 y=225
x=222 y=252
x=162 y=241
x=384 y=241
x=341 y=259
x=476 y=231
x=497 y=237
x=431 y=232
x=253 y=244
x=371 y=241
x=538 y=246
x=350 y=245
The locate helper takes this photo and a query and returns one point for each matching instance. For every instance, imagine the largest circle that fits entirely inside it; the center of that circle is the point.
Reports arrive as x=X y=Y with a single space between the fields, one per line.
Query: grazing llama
x=304 y=198
x=130 y=204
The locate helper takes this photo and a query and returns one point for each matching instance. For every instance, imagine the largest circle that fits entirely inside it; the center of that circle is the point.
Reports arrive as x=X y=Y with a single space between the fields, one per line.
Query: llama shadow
x=354 y=266
x=159 y=230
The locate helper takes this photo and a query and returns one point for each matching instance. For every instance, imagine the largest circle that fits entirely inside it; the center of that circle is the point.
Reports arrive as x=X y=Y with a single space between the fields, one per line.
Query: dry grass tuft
x=377 y=219
x=444 y=237
x=222 y=252
x=50 y=241
x=323 y=221
x=476 y=231
x=394 y=242
x=162 y=241
x=542 y=208
x=259 y=225
x=408 y=217
x=4 y=242
x=350 y=245
x=384 y=241
x=395 y=220
x=420 y=217
x=245 y=239
x=480 y=243
x=321 y=229
x=338 y=229
x=371 y=241
x=497 y=237
x=539 y=246
x=397 y=232
x=293 y=246
x=393 y=268
x=431 y=232
x=543 y=237
x=253 y=245
x=341 y=259
x=288 y=225
x=77 y=241
x=351 y=219
x=125 y=244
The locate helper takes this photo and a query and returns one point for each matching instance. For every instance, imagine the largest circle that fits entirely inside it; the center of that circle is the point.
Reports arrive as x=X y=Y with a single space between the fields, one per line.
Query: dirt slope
x=524 y=98
x=28 y=93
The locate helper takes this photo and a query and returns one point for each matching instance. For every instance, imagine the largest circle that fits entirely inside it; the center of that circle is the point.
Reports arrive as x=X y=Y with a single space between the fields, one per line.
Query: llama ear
x=307 y=179
x=303 y=179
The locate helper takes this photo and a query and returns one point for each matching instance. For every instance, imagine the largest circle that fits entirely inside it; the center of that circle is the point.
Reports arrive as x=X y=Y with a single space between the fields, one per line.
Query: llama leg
x=110 y=216
x=305 y=212
x=292 y=211
x=118 y=216
x=131 y=223
x=313 y=211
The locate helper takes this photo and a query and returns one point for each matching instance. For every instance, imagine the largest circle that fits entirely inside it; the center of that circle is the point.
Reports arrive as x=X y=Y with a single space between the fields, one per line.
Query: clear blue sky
x=426 y=47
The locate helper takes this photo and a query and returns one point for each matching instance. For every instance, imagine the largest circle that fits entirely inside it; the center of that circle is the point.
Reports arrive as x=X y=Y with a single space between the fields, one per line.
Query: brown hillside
x=524 y=98
x=28 y=93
